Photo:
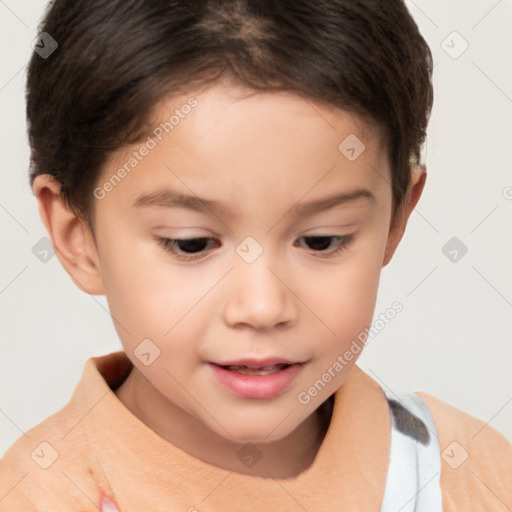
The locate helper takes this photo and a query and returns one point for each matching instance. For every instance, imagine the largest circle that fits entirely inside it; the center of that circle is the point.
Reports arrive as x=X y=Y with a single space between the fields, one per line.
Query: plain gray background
x=452 y=339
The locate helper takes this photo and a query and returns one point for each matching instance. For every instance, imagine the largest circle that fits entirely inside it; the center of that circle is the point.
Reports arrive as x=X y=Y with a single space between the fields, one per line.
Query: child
x=233 y=175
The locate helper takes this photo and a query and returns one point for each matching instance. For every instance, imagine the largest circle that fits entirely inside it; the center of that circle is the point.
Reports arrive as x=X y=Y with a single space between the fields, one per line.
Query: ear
x=399 y=222
x=71 y=237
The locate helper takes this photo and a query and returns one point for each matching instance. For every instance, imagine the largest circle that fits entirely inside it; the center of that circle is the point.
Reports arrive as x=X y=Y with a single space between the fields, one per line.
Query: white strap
x=413 y=480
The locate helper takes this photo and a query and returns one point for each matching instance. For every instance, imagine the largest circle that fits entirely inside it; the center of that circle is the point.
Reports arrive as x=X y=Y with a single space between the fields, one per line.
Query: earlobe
x=399 y=223
x=70 y=236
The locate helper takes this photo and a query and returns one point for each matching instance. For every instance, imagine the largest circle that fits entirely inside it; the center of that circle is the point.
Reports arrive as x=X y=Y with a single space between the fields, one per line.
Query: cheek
x=345 y=298
x=352 y=302
x=143 y=290
x=150 y=297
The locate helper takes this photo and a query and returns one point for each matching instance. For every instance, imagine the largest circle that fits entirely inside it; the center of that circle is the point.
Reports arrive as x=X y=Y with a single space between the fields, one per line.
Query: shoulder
x=50 y=467
x=54 y=465
x=476 y=460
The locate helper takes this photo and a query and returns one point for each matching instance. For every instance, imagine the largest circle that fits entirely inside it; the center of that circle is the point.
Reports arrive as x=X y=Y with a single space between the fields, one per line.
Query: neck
x=285 y=458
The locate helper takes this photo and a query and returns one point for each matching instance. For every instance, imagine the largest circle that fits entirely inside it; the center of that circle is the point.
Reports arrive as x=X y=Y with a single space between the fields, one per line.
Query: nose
x=259 y=297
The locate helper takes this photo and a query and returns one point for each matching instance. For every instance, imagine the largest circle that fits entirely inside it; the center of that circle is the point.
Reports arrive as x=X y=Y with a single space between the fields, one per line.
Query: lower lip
x=256 y=386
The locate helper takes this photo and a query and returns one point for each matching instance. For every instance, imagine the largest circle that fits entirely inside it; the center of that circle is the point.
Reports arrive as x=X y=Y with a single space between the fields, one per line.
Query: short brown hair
x=116 y=59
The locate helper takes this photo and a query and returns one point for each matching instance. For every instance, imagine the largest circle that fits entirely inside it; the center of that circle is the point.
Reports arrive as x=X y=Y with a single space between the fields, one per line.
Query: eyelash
x=169 y=244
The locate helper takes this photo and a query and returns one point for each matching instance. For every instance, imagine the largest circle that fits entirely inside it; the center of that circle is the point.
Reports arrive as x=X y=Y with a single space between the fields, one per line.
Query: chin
x=255 y=433
x=254 y=438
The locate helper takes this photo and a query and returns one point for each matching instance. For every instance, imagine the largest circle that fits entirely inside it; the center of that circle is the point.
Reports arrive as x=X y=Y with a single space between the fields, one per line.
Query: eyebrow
x=172 y=199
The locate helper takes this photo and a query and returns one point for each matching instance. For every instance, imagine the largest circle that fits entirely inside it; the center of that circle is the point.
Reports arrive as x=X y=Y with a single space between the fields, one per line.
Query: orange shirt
x=94 y=454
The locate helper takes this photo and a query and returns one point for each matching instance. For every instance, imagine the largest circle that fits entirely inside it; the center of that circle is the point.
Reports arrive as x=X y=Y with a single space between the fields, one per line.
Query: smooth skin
x=259 y=155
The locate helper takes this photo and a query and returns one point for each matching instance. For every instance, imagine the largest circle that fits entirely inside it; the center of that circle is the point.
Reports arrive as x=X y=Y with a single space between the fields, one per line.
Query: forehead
x=236 y=144
x=225 y=103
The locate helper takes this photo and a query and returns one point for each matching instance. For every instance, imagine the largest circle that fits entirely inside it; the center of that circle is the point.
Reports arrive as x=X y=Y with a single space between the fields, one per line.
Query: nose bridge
x=258 y=297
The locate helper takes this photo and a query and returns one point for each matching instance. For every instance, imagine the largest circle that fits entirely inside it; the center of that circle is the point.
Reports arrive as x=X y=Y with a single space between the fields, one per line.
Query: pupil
x=192 y=244
x=325 y=241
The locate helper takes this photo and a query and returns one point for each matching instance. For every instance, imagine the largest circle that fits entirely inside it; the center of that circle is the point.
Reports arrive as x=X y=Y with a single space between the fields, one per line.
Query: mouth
x=248 y=370
x=256 y=382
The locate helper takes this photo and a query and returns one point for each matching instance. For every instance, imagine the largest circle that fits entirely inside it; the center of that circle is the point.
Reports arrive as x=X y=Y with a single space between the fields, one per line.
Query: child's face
x=262 y=158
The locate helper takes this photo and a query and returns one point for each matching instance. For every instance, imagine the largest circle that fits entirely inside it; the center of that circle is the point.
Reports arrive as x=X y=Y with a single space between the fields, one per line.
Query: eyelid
x=341 y=244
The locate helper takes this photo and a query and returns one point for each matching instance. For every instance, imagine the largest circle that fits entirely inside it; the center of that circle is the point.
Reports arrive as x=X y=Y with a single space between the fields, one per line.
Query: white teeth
x=267 y=370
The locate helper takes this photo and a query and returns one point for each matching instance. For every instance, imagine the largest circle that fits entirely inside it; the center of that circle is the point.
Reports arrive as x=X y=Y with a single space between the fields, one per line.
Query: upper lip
x=257 y=363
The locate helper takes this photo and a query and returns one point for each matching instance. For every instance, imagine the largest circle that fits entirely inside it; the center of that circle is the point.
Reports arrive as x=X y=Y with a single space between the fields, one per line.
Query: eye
x=187 y=246
x=321 y=243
